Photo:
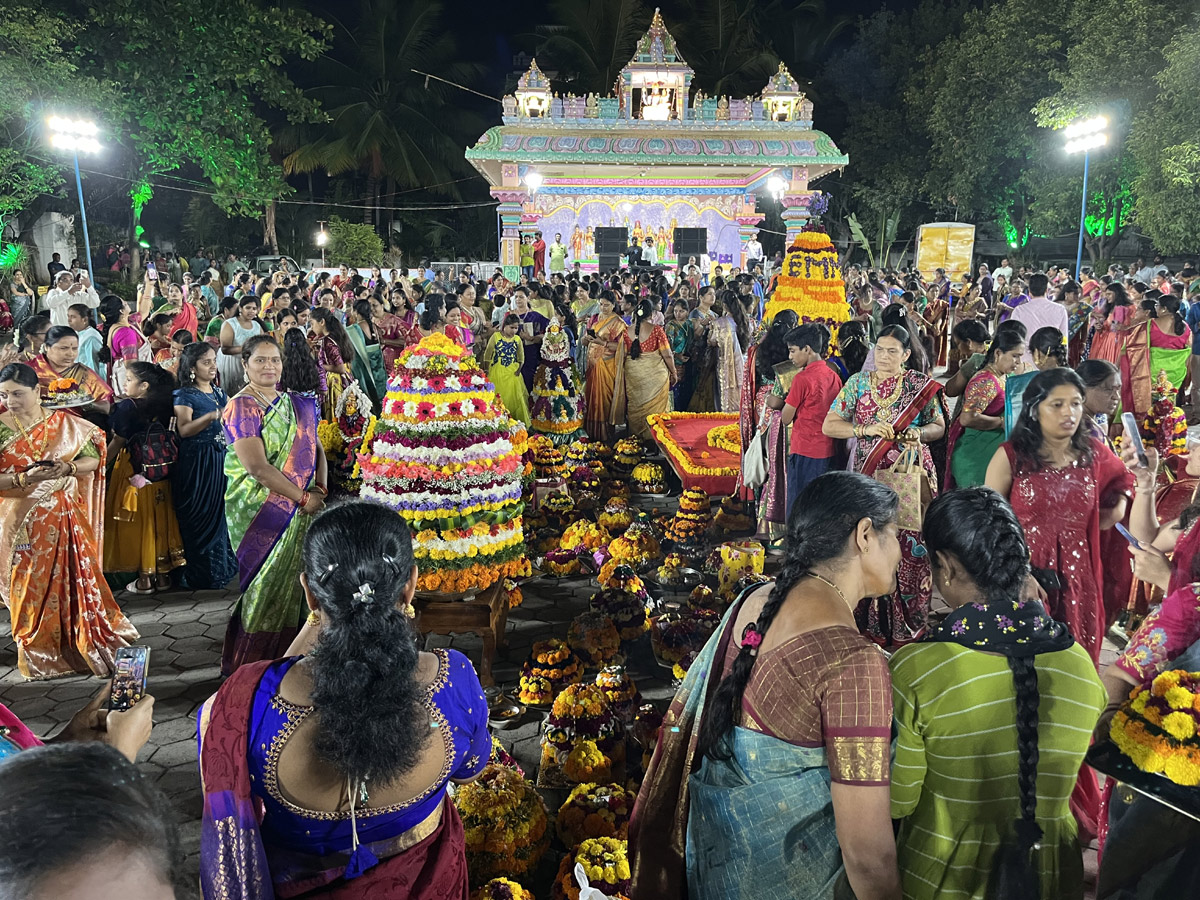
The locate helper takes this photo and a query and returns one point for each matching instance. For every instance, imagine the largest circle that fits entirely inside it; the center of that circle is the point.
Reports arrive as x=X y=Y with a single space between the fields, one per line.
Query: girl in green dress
x=994 y=713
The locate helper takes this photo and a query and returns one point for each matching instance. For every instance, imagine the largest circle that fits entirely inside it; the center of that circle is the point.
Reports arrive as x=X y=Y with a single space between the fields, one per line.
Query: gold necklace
x=890 y=400
x=39 y=453
x=825 y=580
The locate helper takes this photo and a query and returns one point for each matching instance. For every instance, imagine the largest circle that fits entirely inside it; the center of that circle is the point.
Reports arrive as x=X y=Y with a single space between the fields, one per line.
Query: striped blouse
x=954 y=777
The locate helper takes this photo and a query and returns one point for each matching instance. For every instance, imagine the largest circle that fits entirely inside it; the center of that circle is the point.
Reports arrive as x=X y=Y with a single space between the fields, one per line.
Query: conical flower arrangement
x=442 y=456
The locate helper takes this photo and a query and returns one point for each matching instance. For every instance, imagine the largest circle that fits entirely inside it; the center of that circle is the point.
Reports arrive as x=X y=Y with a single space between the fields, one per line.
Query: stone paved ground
x=185 y=630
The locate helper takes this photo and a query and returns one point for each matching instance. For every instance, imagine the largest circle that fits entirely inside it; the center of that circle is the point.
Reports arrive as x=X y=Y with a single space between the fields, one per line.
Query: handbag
x=909 y=479
x=754 y=462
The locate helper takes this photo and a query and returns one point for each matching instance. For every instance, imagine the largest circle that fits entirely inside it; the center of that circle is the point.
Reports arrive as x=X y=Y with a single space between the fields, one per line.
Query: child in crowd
x=504 y=357
x=813 y=391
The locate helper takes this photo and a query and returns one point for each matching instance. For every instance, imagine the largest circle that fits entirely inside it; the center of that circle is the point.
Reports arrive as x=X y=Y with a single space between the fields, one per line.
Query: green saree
x=367 y=365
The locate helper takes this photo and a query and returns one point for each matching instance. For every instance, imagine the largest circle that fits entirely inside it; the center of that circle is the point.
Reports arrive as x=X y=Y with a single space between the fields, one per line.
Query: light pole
x=322 y=240
x=1085 y=135
x=77 y=135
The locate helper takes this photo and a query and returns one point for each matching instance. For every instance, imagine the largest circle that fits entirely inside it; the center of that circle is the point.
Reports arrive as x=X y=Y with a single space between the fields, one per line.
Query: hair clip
x=365 y=593
x=328 y=571
x=752 y=638
x=393 y=564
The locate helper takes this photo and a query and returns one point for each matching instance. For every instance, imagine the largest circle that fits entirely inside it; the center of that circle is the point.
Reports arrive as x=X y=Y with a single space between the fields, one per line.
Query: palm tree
x=395 y=126
x=726 y=42
x=590 y=41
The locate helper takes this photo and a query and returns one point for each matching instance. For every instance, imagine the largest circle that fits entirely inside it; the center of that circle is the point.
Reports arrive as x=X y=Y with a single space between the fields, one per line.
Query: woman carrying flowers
x=326 y=772
x=786 y=708
x=505 y=355
x=64 y=617
x=59 y=360
x=276 y=483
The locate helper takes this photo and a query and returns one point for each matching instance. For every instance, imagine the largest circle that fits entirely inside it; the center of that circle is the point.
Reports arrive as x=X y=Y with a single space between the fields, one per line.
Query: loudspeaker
x=690 y=242
x=608 y=262
x=611 y=241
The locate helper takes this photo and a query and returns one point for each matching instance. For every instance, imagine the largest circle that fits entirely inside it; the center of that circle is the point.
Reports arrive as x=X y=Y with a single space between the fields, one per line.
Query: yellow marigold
x=1179 y=698
x=1179 y=725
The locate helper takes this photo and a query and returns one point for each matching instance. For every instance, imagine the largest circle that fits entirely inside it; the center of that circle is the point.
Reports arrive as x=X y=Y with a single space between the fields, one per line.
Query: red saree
x=233 y=859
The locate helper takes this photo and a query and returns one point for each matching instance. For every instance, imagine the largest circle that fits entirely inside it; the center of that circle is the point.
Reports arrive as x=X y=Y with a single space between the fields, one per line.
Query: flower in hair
x=752 y=637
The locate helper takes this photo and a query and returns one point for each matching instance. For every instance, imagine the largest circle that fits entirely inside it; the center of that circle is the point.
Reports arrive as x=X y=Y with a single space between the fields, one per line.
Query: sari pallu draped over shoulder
x=236 y=865
x=64 y=617
x=710 y=830
x=265 y=528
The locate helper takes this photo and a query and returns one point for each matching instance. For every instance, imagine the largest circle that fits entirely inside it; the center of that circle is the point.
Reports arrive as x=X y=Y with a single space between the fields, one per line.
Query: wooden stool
x=486 y=615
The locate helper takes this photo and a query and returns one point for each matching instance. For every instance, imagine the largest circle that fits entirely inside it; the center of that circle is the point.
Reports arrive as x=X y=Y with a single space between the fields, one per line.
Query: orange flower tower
x=811 y=283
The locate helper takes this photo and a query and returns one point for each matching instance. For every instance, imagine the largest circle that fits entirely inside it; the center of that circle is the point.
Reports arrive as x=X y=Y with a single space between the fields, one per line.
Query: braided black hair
x=825 y=516
x=645 y=309
x=852 y=344
x=299 y=372
x=774 y=348
x=980 y=529
x=370 y=718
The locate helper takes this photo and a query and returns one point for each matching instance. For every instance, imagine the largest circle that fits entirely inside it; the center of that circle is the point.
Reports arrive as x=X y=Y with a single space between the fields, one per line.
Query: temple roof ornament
x=657 y=48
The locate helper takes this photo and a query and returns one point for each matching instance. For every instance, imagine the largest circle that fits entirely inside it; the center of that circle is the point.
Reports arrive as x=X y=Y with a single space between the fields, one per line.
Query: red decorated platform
x=683 y=438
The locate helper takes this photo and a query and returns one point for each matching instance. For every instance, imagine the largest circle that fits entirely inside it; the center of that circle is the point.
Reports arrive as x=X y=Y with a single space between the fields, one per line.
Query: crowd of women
x=197 y=461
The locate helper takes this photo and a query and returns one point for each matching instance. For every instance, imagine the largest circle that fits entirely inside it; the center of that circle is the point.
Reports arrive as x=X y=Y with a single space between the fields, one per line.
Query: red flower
x=424 y=411
x=456 y=408
x=437 y=382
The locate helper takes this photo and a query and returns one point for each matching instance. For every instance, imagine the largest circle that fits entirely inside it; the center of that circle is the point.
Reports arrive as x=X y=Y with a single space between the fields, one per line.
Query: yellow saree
x=64 y=617
x=601 y=380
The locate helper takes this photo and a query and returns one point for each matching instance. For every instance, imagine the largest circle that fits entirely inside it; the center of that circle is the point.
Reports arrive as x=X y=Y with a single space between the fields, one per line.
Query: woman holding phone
x=64 y=617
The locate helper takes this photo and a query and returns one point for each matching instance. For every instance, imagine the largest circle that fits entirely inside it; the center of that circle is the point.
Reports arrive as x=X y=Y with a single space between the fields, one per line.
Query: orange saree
x=64 y=617
x=600 y=384
x=88 y=380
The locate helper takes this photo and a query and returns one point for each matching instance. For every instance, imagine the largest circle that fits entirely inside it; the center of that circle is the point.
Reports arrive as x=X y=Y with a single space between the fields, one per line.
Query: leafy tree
x=726 y=43
x=195 y=83
x=396 y=126
x=354 y=244
x=589 y=42
x=1166 y=144
x=39 y=72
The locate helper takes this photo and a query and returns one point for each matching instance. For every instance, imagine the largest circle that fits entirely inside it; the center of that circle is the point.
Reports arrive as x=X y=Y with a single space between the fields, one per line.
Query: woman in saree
x=724 y=336
x=141 y=532
x=679 y=334
x=367 y=365
x=645 y=374
x=59 y=359
x=276 y=481
x=321 y=774
x=183 y=314
x=198 y=477
x=331 y=349
x=979 y=429
x=532 y=331
x=157 y=331
x=765 y=383
x=235 y=333
x=935 y=318
x=64 y=618
x=456 y=330
x=606 y=335
x=1170 y=341
x=1079 y=315
x=893 y=412
x=704 y=353
x=391 y=329
x=1136 y=379
x=771 y=768
x=1109 y=322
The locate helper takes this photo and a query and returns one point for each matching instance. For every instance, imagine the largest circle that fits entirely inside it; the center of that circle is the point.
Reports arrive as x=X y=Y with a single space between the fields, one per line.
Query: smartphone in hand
x=129 y=682
x=1131 y=428
x=152 y=271
x=1124 y=532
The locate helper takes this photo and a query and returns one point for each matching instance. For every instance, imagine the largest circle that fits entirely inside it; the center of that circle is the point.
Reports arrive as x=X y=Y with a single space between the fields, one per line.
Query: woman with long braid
x=993 y=712
x=772 y=767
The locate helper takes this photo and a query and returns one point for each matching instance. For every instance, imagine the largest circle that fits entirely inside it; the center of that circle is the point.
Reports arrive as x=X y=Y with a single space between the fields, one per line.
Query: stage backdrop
x=577 y=218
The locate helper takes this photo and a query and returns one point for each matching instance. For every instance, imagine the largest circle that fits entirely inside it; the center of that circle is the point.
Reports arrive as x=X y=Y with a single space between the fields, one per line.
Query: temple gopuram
x=655 y=157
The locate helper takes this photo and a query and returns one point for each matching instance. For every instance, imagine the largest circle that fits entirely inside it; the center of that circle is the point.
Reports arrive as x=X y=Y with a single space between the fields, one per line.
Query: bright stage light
x=777 y=184
x=533 y=180
x=322 y=238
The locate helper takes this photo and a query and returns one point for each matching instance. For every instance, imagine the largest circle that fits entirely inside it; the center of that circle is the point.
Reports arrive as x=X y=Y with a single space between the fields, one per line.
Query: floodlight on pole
x=1083 y=137
x=322 y=240
x=77 y=136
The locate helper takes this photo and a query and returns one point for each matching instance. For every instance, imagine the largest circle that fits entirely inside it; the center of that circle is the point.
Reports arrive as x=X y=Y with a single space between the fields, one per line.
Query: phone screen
x=1135 y=435
x=129 y=682
x=1124 y=532
x=152 y=271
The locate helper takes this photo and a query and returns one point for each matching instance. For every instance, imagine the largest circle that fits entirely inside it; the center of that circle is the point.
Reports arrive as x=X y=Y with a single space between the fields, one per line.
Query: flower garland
x=1157 y=727
x=727 y=438
x=811 y=283
x=658 y=424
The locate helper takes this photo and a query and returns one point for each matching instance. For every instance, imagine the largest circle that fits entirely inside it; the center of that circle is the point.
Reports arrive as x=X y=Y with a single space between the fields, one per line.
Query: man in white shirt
x=1039 y=311
x=649 y=257
x=1003 y=269
x=754 y=254
x=67 y=291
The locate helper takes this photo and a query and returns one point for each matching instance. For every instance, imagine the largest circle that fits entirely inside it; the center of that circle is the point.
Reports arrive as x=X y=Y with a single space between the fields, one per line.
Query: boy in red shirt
x=812 y=393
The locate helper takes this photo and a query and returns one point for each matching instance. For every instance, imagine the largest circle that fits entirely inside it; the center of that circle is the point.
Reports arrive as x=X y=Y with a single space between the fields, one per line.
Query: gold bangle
x=74 y=469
